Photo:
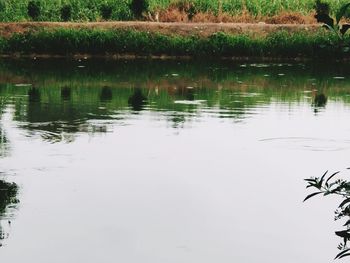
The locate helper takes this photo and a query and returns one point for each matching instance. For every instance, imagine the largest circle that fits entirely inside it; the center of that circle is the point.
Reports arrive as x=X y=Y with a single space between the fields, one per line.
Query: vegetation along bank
x=236 y=41
x=276 y=11
x=148 y=39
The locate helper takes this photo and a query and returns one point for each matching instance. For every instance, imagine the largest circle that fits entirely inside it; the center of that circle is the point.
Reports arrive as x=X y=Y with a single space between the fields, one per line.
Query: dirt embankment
x=185 y=29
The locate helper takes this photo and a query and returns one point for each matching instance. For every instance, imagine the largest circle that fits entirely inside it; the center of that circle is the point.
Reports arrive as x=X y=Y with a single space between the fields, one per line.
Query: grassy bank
x=90 y=10
x=71 y=41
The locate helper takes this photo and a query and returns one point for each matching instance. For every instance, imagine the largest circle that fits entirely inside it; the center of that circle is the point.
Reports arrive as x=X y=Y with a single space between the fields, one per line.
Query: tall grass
x=65 y=41
x=89 y=10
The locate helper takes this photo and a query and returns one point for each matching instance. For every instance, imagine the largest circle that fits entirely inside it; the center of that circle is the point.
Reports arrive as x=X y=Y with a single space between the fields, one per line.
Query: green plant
x=66 y=12
x=328 y=186
x=33 y=9
x=323 y=16
x=138 y=7
x=189 y=7
x=89 y=10
x=106 y=11
x=2 y=6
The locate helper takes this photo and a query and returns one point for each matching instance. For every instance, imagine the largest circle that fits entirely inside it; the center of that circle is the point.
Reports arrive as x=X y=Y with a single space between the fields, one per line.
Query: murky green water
x=120 y=161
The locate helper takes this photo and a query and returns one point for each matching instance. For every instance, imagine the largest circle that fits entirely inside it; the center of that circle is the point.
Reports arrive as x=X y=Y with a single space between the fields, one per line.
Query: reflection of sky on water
x=150 y=170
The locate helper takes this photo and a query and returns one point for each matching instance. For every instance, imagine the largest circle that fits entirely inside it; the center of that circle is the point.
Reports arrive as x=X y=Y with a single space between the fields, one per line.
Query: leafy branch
x=327 y=185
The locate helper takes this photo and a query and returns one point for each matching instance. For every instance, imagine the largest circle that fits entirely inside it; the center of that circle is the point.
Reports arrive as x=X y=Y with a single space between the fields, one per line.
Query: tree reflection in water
x=328 y=185
x=34 y=94
x=106 y=94
x=319 y=101
x=137 y=100
x=8 y=191
x=65 y=93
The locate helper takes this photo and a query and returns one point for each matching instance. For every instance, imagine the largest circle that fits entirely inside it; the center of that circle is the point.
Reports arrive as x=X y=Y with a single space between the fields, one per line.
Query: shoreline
x=170 y=28
x=117 y=57
x=132 y=40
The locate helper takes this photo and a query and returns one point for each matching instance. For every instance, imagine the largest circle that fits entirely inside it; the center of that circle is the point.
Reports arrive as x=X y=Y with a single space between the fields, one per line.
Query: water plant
x=326 y=185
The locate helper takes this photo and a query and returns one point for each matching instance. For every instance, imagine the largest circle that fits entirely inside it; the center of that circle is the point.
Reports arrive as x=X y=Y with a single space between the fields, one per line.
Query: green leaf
x=345 y=255
x=342 y=253
x=323 y=176
x=331 y=177
x=341 y=12
x=344 y=29
x=311 y=185
x=326 y=19
x=347 y=200
x=347 y=223
x=343 y=233
x=310 y=180
x=311 y=195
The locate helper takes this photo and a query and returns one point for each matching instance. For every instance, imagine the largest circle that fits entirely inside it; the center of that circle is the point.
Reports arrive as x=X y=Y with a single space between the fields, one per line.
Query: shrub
x=333 y=24
x=138 y=7
x=66 y=12
x=106 y=11
x=33 y=9
x=322 y=7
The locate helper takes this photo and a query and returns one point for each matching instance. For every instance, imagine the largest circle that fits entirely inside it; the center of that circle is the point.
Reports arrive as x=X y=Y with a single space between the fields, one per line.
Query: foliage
x=138 y=7
x=66 y=12
x=33 y=9
x=89 y=10
x=65 y=41
x=188 y=7
x=327 y=186
x=106 y=11
x=323 y=16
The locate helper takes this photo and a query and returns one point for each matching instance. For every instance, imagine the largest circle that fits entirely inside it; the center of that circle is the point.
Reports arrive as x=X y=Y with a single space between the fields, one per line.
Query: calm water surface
x=160 y=162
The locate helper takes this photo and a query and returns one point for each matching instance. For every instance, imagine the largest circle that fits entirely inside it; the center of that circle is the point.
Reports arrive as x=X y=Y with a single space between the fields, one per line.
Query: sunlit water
x=170 y=162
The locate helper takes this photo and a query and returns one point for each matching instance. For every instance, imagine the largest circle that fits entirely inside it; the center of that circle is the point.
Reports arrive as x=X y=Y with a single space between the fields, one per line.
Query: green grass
x=89 y=10
x=64 y=41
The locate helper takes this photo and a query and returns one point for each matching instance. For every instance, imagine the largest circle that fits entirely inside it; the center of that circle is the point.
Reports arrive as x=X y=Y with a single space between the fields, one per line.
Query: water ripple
x=310 y=143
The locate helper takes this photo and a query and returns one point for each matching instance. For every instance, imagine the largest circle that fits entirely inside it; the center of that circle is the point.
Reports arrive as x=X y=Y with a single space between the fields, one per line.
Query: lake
x=168 y=161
